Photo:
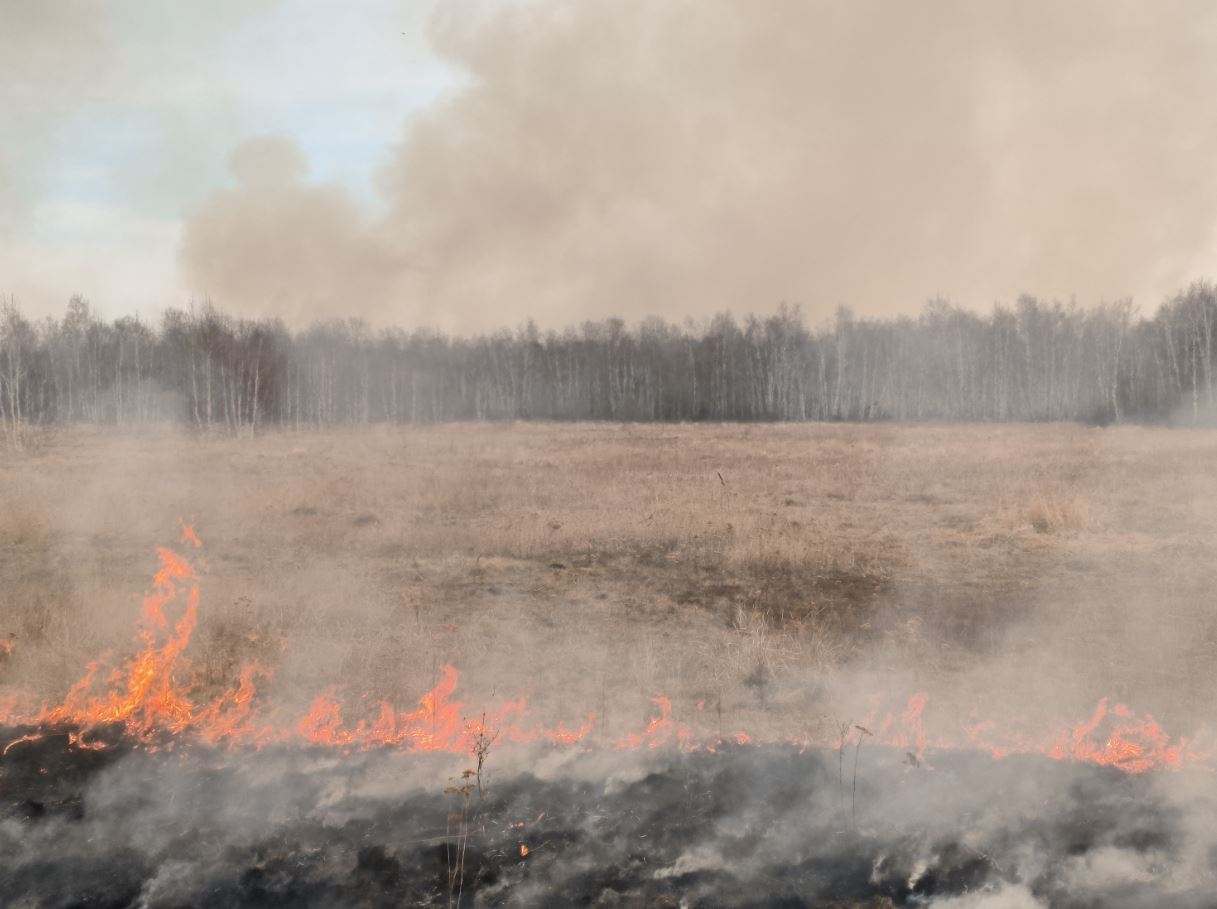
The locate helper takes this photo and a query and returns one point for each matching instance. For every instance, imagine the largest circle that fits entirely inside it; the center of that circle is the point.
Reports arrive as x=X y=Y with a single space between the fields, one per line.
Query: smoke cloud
x=631 y=158
x=277 y=242
x=740 y=828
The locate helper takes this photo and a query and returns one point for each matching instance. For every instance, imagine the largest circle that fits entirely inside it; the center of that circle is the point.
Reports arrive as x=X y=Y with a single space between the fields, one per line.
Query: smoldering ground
x=742 y=827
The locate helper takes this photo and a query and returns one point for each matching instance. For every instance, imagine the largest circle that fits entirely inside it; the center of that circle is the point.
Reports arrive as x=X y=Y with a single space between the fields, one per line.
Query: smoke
x=741 y=827
x=632 y=158
x=301 y=250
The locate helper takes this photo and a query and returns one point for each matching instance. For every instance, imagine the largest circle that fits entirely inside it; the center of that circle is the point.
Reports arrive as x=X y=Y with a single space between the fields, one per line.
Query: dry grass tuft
x=1051 y=513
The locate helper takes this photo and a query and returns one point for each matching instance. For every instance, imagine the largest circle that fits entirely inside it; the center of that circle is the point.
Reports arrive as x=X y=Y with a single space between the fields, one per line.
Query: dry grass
x=591 y=566
x=1047 y=514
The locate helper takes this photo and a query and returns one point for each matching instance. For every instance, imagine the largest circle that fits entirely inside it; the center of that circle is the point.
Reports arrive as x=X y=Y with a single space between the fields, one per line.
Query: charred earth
x=126 y=826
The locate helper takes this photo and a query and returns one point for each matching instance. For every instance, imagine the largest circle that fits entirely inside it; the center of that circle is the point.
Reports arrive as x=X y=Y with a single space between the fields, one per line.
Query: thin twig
x=857 y=751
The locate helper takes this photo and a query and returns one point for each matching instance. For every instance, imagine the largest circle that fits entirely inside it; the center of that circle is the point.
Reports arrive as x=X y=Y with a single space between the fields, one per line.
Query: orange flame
x=147 y=695
x=189 y=536
x=1113 y=737
x=152 y=697
x=661 y=730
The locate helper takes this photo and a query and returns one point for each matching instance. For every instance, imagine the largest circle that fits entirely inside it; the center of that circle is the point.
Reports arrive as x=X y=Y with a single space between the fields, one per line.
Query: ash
x=746 y=826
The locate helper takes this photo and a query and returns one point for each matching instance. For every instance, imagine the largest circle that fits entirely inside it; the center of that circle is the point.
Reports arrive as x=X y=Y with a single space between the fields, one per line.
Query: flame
x=145 y=695
x=148 y=695
x=661 y=730
x=28 y=737
x=1114 y=737
x=189 y=536
x=153 y=698
x=436 y=724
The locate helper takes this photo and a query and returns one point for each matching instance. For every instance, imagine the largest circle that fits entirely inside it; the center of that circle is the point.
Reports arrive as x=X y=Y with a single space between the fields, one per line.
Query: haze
x=476 y=164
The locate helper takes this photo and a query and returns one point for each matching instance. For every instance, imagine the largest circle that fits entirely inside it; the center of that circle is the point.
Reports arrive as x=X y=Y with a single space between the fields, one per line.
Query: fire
x=28 y=737
x=1134 y=744
x=144 y=695
x=436 y=724
x=1114 y=737
x=148 y=695
x=660 y=729
x=189 y=536
x=153 y=698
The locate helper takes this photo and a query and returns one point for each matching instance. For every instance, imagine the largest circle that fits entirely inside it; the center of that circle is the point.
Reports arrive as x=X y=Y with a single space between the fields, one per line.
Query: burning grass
x=154 y=696
x=722 y=598
x=596 y=565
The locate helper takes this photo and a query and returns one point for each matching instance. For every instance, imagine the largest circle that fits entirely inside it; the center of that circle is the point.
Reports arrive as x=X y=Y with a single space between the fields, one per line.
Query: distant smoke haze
x=679 y=158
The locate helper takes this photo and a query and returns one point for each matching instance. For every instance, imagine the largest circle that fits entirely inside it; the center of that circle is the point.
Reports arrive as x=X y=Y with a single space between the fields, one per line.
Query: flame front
x=153 y=698
x=150 y=695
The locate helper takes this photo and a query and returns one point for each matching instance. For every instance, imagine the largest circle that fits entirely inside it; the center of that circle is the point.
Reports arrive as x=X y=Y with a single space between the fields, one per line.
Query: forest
x=1034 y=361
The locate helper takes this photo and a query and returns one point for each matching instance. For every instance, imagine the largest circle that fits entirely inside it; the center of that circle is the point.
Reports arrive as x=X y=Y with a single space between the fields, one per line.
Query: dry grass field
x=768 y=577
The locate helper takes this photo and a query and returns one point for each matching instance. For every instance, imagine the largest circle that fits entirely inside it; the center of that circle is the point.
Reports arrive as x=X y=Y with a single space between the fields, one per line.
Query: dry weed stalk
x=857 y=752
x=483 y=739
x=844 y=731
x=455 y=844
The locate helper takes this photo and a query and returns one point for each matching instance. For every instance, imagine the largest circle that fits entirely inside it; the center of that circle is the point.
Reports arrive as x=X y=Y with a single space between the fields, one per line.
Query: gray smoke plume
x=632 y=157
x=744 y=827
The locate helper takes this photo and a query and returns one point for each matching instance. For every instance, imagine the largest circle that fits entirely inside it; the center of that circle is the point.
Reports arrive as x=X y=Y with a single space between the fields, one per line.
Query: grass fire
x=625 y=454
x=545 y=665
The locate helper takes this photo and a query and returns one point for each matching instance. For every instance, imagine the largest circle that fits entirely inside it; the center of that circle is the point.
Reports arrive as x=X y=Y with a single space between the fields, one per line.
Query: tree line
x=1035 y=360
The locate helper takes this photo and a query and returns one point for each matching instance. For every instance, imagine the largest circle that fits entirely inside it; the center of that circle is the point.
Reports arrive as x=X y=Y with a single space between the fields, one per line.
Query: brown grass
x=591 y=566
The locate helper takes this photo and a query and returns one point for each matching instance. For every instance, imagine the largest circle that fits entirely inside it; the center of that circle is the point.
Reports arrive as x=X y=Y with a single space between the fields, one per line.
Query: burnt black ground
x=747 y=826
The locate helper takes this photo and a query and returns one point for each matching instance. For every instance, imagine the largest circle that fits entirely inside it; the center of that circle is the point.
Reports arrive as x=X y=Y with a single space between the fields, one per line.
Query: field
x=774 y=578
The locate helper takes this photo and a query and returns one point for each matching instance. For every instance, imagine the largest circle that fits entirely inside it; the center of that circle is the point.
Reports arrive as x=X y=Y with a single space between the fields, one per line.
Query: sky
x=469 y=164
x=125 y=115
